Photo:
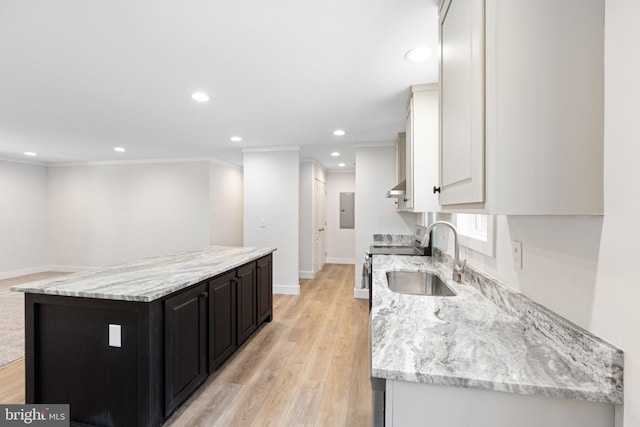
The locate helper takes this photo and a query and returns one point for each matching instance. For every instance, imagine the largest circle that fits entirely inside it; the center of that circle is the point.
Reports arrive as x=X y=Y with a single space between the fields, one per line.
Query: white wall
x=23 y=218
x=586 y=268
x=375 y=213
x=615 y=313
x=107 y=214
x=271 y=211
x=340 y=241
x=225 y=205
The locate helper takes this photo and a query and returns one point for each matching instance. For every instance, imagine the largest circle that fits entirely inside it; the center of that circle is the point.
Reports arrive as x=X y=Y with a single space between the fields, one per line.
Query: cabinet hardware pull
x=205 y=294
x=436 y=189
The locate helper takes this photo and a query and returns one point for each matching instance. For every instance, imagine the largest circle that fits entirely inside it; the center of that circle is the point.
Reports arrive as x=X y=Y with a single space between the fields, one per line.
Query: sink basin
x=418 y=283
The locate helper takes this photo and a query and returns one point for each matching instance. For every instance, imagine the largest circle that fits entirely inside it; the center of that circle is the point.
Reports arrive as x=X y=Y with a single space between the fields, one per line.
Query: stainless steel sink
x=418 y=283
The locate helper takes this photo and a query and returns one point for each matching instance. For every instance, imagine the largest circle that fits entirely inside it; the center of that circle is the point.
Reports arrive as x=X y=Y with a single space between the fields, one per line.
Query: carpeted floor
x=12 y=317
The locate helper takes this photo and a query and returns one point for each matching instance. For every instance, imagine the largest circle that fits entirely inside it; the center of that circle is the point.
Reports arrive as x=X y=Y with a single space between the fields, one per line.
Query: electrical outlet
x=516 y=253
x=263 y=223
x=115 y=335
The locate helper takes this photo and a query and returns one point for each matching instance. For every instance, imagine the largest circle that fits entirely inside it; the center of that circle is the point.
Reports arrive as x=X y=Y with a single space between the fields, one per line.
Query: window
x=476 y=232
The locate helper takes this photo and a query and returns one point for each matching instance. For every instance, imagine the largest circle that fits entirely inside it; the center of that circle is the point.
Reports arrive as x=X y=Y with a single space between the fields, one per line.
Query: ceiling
x=80 y=77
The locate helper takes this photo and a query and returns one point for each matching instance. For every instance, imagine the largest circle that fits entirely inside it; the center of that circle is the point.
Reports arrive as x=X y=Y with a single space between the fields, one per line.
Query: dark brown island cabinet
x=168 y=346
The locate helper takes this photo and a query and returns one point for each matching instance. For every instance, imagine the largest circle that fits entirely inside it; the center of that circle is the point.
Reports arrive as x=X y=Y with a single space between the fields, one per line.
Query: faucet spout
x=458 y=265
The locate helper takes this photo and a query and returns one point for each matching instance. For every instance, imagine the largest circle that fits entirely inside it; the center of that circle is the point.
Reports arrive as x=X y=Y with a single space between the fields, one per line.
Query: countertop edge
x=612 y=397
x=40 y=287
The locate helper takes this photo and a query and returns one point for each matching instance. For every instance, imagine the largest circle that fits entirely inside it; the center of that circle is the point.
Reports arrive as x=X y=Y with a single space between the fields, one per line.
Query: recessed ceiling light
x=119 y=149
x=235 y=139
x=341 y=165
x=30 y=153
x=335 y=154
x=339 y=132
x=200 y=96
x=419 y=54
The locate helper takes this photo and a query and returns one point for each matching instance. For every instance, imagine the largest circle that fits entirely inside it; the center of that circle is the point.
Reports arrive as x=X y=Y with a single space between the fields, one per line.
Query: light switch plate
x=115 y=335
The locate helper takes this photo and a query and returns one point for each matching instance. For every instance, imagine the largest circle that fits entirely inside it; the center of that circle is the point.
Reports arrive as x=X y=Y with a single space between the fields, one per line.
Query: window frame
x=472 y=240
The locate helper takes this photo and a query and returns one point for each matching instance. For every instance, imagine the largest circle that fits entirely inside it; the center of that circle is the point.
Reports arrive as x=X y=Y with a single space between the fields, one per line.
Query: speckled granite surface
x=393 y=239
x=470 y=341
x=150 y=278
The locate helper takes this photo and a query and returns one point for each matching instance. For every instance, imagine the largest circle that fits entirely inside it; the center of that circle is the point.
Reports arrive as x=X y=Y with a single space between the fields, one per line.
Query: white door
x=319 y=225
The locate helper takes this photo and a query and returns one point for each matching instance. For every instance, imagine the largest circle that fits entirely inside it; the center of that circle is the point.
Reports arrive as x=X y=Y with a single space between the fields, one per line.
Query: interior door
x=319 y=225
x=323 y=221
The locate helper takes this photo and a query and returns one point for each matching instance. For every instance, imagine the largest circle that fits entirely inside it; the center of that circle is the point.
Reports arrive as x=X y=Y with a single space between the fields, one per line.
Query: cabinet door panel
x=185 y=345
x=462 y=103
x=222 y=319
x=265 y=289
x=409 y=156
x=247 y=312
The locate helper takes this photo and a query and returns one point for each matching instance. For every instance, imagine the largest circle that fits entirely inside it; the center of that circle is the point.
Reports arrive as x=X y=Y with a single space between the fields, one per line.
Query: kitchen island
x=486 y=356
x=126 y=345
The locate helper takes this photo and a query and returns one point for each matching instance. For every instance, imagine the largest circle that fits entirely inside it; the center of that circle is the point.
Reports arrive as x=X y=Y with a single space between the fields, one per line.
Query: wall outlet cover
x=115 y=335
x=516 y=253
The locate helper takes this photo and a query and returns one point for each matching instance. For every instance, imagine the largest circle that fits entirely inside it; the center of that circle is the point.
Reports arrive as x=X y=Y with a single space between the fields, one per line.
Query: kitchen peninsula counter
x=126 y=345
x=147 y=279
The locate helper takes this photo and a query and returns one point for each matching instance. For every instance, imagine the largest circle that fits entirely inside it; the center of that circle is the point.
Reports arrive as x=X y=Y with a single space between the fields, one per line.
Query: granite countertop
x=147 y=279
x=469 y=341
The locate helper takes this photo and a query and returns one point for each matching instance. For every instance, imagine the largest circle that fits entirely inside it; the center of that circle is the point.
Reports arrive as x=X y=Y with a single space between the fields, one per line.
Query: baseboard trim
x=22 y=272
x=43 y=268
x=361 y=293
x=69 y=268
x=341 y=261
x=306 y=274
x=286 y=289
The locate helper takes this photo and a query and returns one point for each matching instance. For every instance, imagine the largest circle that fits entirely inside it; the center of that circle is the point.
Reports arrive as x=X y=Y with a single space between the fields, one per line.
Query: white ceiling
x=79 y=77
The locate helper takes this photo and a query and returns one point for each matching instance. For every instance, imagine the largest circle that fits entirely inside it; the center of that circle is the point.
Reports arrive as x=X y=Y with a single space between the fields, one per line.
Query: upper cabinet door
x=462 y=137
x=522 y=106
x=422 y=149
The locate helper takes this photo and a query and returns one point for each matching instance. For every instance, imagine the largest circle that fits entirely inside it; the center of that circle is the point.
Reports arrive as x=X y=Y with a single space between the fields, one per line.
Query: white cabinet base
x=410 y=404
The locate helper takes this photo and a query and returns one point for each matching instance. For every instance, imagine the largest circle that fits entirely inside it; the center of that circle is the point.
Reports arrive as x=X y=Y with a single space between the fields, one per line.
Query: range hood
x=398 y=191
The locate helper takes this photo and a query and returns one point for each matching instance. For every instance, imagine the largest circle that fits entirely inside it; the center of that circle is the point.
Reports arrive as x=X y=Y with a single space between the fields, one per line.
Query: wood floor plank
x=308 y=367
x=12 y=383
x=304 y=407
x=206 y=406
x=332 y=410
x=359 y=408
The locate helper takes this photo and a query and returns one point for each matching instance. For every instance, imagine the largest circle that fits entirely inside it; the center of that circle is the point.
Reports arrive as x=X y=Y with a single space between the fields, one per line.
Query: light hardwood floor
x=308 y=367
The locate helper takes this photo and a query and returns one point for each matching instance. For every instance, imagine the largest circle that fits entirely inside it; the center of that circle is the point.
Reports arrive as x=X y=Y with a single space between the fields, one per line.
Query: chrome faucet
x=458 y=265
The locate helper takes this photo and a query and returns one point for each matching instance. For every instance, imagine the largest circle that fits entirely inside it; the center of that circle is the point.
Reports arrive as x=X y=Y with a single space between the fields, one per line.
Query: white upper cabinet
x=462 y=103
x=522 y=106
x=422 y=149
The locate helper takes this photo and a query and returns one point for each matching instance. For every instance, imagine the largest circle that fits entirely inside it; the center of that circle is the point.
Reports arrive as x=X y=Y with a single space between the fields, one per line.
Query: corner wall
x=225 y=205
x=23 y=218
x=271 y=211
x=375 y=213
x=107 y=214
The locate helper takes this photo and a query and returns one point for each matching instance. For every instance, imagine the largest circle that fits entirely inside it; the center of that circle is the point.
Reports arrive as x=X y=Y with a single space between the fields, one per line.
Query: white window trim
x=486 y=247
